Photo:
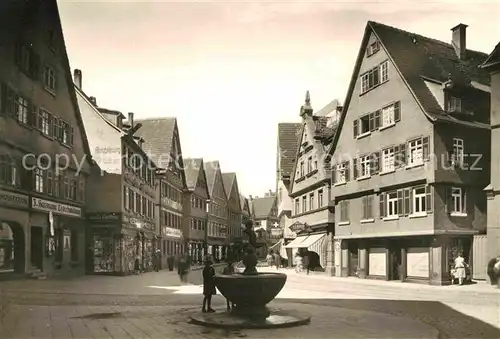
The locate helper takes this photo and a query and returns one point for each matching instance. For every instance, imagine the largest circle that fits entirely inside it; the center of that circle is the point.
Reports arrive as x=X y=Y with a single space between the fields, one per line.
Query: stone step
x=36 y=274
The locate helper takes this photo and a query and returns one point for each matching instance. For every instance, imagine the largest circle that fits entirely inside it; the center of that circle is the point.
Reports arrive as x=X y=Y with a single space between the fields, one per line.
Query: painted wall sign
x=55 y=207
x=103 y=216
x=172 y=232
x=13 y=199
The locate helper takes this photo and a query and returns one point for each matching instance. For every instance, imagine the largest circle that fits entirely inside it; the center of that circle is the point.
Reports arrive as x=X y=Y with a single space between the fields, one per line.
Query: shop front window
x=103 y=254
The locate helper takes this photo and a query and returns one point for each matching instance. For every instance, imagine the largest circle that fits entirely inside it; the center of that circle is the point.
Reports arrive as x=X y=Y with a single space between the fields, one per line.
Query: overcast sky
x=231 y=71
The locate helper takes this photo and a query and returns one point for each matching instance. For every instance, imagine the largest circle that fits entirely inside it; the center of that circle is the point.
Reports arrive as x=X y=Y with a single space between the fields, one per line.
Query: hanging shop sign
x=55 y=207
x=172 y=232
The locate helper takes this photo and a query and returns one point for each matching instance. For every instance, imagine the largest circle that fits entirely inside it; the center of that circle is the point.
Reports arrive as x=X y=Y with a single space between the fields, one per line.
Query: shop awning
x=313 y=242
x=278 y=247
x=296 y=243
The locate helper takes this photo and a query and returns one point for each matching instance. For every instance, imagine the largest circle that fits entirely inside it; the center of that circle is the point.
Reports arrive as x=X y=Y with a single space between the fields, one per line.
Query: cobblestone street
x=155 y=305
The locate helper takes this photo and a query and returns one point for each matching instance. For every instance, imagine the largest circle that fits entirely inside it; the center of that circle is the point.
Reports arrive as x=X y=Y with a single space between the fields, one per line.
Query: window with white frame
x=392 y=204
x=365 y=82
x=344 y=210
x=309 y=165
x=320 y=198
x=301 y=169
x=388 y=115
x=419 y=195
x=415 y=152
x=297 y=206
x=49 y=78
x=388 y=158
x=458 y=151
x=304 y=204
x=454 y=104
x=311 y=201
x=367 y=202
x=364 y=166
x=458 y=200
x=341 y=173
x=22 y=109
x=384 y=71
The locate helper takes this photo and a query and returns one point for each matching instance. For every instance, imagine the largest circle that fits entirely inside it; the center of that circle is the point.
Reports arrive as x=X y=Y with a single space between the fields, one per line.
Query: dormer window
x=454 y=104
x=372 y=48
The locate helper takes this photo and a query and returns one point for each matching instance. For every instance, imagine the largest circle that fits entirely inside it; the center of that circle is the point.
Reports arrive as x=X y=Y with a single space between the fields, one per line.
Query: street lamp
x=207 y=209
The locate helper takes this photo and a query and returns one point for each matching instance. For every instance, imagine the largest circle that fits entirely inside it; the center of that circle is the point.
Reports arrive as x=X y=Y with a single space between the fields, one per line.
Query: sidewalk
x=480 y=287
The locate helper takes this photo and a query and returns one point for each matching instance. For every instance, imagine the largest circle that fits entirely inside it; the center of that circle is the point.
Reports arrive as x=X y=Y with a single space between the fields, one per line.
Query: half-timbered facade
x=196 y=201
x=163 y=146
x=217 y=230
x=234 y=208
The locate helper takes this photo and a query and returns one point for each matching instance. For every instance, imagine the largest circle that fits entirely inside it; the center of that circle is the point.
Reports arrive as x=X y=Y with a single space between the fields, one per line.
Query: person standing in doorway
x=460 y=265
x=269 y=259
x=298 y=263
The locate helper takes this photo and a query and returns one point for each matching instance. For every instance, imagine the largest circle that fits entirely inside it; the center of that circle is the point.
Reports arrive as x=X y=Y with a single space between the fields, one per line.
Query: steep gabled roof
x=192 y=168
x=417 y=59
x=158 y=135
x=244 y=204
x=211 y=168
x=493 y=59
x=288 y=135
x=262 y=206
x=69 y=78
x=228 y=179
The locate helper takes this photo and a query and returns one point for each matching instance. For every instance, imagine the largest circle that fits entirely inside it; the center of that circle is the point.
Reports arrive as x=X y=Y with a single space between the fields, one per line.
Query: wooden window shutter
x=407 y=201
x=382 y=209
x=400 y=203
x=374 y=163
x=370 y=206
x=469 y=203
x=448 y=202
x=347 y=170
x=3 y=98
x=71 y=135
x=397 y=111
x=411 y=201
x=425 y=148
x=364 y=204
x=334 y=173
x=347 y=209
x=355 y=127
x=368 y=51
x=402 y=155
x=448 y=144
x=371 y=122
x=377 y=118
x=428 y=199
x=33 y=116
x=355 y=169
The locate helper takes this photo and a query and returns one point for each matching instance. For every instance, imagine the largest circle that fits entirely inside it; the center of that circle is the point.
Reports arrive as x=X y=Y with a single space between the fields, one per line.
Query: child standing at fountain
x=208 y=286
x=229 y=270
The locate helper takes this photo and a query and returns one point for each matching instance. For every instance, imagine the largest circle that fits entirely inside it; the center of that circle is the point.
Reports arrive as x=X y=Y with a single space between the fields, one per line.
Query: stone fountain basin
x=249 y=290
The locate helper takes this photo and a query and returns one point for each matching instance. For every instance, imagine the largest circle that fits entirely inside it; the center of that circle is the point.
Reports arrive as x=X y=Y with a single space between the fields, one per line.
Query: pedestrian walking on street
x=269 y=259
x=306 y=263
x=137 y=264
x=170 y=262
x=298 y=263
x=277 y=260
x=208 y=287
x=183 y=268
x=460 y=265
x=229 y=270
x=157 y=260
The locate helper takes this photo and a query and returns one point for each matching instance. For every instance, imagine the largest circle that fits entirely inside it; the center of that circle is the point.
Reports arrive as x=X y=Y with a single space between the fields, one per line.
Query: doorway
x=353 y=258
x=395 y=262
x=36 y=247
x=12 y=244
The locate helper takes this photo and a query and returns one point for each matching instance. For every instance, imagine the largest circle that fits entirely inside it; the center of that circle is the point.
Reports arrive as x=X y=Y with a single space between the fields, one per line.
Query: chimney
x=140 y=142
x=93 y=100
x=131 y=119
x=458 y=40
x=77 y=78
